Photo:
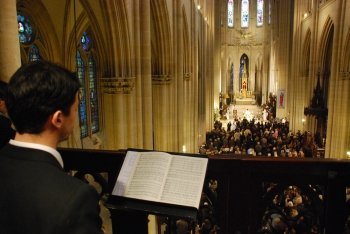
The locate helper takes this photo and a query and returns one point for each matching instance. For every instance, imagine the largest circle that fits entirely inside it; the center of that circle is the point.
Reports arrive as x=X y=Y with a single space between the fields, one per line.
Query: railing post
x=129 y=222
x=335 y=204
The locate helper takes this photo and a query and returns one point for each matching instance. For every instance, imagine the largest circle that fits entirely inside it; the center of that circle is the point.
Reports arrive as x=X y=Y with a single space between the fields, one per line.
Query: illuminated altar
x=245 y=96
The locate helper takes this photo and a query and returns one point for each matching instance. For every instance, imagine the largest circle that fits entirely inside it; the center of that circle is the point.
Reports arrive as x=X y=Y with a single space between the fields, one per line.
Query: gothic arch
x=323 y=78
x=119 y=33
x=305 y=60
x=82 y=22
x=95 y=32
x=258 y=77
x=326 y=39
x=73 y=37
x=326 y=48
x=244 y=63
x=160 y=38
x=345 y=62
x=48 y=44
x=186 y=46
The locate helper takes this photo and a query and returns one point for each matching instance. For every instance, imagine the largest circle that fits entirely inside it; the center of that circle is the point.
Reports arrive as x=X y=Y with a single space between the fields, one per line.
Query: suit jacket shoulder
x=38 y=196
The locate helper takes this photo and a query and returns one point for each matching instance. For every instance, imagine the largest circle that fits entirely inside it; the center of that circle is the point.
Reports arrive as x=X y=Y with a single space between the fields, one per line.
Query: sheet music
x=126 y=171
x=162 y=177
x=143 y=176
x=185 y=181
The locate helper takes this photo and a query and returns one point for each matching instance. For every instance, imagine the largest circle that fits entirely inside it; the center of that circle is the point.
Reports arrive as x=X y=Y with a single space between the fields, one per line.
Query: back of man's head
x=37 y=90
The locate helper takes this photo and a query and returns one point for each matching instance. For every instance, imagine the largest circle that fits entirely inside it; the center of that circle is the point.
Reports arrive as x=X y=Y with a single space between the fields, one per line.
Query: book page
x=125 y=173
x=145 y=178
x=185 y=180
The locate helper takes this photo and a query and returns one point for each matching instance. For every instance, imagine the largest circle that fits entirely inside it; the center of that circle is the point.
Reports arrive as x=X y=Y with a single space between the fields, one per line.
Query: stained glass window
x=27 y=35
x=34 y=54
x=25 y=29
x=82 y=97
x=260 y=12
x=86 y=69
x=245 y=14
x=230 y=13
x=85 y=41
x=93 y=96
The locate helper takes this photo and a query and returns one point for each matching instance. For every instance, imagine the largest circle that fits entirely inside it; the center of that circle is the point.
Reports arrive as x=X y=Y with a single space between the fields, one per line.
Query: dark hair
x=36 y=91
x=3 y=89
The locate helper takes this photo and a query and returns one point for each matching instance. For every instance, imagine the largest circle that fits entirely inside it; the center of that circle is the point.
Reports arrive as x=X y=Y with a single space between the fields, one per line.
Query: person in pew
x=6 y=130
x=37 y=196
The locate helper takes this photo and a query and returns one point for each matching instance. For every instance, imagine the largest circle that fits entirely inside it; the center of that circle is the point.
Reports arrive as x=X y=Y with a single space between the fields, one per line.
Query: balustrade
x=245 y=194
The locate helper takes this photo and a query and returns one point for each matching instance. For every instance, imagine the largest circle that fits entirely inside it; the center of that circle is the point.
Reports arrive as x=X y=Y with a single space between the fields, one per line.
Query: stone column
x=146 y=79
x=10 y=56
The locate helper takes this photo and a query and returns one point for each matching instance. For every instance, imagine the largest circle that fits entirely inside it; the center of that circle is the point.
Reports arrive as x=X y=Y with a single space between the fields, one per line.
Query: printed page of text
x=125 y=173
x=149 y=176
x=185 y=180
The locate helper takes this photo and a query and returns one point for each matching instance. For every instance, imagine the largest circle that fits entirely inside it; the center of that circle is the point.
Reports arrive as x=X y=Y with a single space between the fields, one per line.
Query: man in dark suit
x=6 y=131
x=36 y=195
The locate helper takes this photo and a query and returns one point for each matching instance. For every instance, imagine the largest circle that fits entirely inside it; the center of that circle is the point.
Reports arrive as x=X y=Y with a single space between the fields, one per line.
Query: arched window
x=34 y=54
x=82 y=97
x=93 y=95
x=85 y=41
x=86 y=71
x=245 y=14
x=244 y=72
x=230 y=13
x=259 y=12
x=27 y=38
x=25 y=30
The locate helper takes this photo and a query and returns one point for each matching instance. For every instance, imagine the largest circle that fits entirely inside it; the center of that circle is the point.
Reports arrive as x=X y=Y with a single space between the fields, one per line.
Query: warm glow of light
x=303 y=120
x=198 y=7
x=184 y=148
x=348 y=154
x=305 y=14
x=276 y=86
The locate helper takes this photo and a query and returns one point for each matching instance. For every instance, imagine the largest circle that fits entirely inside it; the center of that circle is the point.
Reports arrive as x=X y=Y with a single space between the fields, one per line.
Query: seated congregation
x=272 y=138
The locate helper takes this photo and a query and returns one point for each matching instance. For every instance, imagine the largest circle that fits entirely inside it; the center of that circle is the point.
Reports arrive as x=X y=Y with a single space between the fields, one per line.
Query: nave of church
x=155 y=72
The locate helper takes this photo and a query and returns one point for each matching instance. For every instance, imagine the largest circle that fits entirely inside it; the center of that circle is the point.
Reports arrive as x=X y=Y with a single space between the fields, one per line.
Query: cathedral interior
x=154 y=72
x=158 y=74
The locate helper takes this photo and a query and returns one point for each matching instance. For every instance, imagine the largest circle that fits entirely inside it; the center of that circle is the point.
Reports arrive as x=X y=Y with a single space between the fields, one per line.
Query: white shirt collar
x=46 y=148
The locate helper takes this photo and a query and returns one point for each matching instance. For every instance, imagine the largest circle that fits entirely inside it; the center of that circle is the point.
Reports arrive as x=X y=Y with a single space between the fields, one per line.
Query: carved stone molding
x=116 y=85
x=245 y=38
x=345 y=75
x=161 y=79
x=187 y=76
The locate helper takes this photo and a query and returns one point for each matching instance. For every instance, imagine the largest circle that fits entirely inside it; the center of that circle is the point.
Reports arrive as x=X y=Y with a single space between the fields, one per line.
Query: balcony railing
x=244 y=194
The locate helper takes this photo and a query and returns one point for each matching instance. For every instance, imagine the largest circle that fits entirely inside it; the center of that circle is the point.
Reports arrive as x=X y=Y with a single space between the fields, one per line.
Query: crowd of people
x=293 y=210
x=261 y=138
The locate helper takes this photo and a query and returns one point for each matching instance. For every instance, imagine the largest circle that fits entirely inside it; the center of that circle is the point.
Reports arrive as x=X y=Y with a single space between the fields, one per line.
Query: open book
x=162 y=177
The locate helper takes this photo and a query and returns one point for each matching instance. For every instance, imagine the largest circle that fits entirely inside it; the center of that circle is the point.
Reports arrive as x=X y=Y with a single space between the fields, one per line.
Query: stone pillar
x=283 y=55
x=146 y=78
x=10 y=56
x=181 y=100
